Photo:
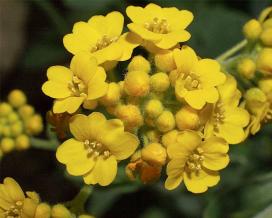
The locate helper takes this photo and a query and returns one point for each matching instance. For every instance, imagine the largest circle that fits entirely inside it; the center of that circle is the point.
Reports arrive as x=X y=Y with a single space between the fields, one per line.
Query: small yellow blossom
x=195 y=161
x=83 y=82
x=227 y=119
x=101 y=37
x=163 y=27
x=14 y=203
x=96 y=148
x=196 y=80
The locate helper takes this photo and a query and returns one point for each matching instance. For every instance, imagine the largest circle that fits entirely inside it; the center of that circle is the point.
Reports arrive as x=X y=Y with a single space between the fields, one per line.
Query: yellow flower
x=163 y=27
x=84 y=82
x=14 y=203
x=196 y=80
x=227 y=119
x=101 y=37
x=96 y=148
x=195 y=161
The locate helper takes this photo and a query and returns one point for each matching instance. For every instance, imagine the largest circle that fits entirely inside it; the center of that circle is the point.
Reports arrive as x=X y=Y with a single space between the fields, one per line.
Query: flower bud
x=137 y=83
x=112 y=96
x=6 y=131
x=165 y=61
x=22 y=142
x=90 y=104
x=159 y=82
x=16 y=98
x=264 y=63
x=187 y=118
x=5 y=109
x=266 y=36
x=26 y=111
x=169 y=138
x=153 y=108
x=13 y=117
x=166 y=121
x=255 y=99
x=16 y=128
x=130 y=115
x=154 y=154
x=34 y=124
x=246 y=67
x=266 y=86
x=153 y=135
x=139 y=63
x=60 y=211
x=7 y=144
x=43 y=210
x=252 y=29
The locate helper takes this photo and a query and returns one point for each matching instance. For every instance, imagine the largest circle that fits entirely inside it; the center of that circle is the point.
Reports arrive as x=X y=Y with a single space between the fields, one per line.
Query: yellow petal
x=59 y=74
x=186 y=142
x=185 y=59
x=75 y=156
x=4 y=194
x=172 y=182
x=198 y=182
x=215 y=145
x=110 y=53
x=171 y=39
x=13 y=189
x=56 y=90
x=74 y=45
x=144 y=33
x=29 y=208
x=5 y=205
x=123 y=145
x=99 y=23
x=128 y=41
x=136 y=14
x=176 y=19
x=70 y=104
x=237 y=116
x=97 y=87
x=84 y=66
x=154 y=10
x=115 y=23
x=103 y=173
x=175 y=167
x=231 y=133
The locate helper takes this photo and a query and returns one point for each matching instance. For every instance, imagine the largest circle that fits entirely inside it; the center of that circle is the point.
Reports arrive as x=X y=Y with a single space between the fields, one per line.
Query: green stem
x=43 y=144
x=232 y=51
x=53 y=14
x=78 y=203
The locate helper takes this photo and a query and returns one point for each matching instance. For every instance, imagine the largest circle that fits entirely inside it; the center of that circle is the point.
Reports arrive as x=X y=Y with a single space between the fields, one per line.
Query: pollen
x=104 y=42
x=218 y=115
x=194 y=162
x=95 y=149
x=158 y=26
x=14 y=210
x=77 y=87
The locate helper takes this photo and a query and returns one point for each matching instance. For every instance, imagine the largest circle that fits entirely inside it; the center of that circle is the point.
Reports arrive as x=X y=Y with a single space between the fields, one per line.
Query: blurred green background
x=31 y=41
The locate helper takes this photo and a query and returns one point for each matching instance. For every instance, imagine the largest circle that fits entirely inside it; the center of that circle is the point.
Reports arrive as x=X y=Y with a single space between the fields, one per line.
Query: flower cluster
x=15 y=203
x=171 y=110
x=255 y=68
x=18 y=121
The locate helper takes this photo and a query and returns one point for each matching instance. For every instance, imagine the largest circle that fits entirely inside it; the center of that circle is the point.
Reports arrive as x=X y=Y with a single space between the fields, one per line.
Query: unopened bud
x=137 y=83
x=165 y=61
x=187 y=118
x=34 y=124
x=153 y=135
x=5 y=109
x=153 y=108
x=112 y=96
x=169 y=138
x=264 y=63
x=22 y=142
x=266 y=36
x=130 y=115
x=60 y=211
x=159 y=82
x=7 y=144
x=16 y=98
x=252 y=29
x=246 y=67
x=166 y=121
x=139 y=63
x=43 y=210
x=26 y=111
x=154 y=154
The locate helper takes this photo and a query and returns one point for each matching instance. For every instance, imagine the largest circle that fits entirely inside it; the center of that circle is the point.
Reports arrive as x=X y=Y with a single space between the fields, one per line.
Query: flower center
x=158 y=26
x=191 y=81
x=95 y=149
x=194 y=162
x=103 y=43
x=14 y=210
x=218 y=115
x=77 y=87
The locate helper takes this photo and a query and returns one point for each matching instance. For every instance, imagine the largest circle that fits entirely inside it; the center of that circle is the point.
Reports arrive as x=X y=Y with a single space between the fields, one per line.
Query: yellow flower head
x=195 y=161
x=101 y=37
x=84 y=82
x=96 y=148
x=196 y=80
x=227 y=119
x=14 y=203
x=163 y=27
